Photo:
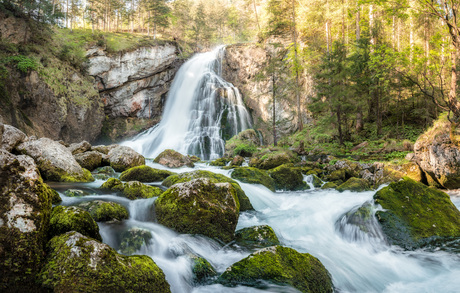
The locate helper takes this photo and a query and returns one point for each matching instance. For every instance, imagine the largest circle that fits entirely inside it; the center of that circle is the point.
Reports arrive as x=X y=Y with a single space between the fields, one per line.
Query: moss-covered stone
x=279 y=265
x=317 y=183
x=245 y=204
x=244 y=144
x=387 y=173
x=221 y=162
x=76 y=263
x=145 y=174
x=122 y=158
x=102 y=211
x=329 y=185
x=132 y=189
x=256 y=237
x=106 y=170
x=173 y=159
x=274 y=159
x=253 y=176
x=89 y=160
x=354 y=184
x=200 y=207
x=133 y=239
x=65 y=219
x=237 y=161
x=55 y=197
x=337 y=175
x=75 y=193
x=288 y=177
x=202 y=270
x=416 y=214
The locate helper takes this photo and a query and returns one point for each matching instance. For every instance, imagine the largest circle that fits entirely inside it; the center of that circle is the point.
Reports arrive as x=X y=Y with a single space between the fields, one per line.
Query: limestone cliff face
x=242 y=66
x=133 y=86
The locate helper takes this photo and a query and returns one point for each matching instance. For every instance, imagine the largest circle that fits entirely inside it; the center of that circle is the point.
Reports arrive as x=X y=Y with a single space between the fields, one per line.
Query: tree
x=159 y=14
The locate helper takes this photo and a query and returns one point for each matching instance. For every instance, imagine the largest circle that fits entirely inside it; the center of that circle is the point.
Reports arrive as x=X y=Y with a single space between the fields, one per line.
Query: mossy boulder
x=25 y=208
x=416 y=214
x=76 y=263
x=288 y=177
x=256 y=237
x=145 y=174
x=386 y=173
x=317 y=183
x=200 y=207
x=79 y=147
x=253 y=176
x=55 y=197
x=354 y=184
x=122 y=158
x=245 y=204
x=75 y=192
x=132 y=189
x=106 y=170
x=103 y=211
x=337 y=175
x=243 y=144
x=133 y=239
x=279 y=265
x=89 y=160
x=65 y=219
x=221 y=162
x=172 y=159
x=329 y=185
x=202 y=270
x=274 y=159
x=237 y=161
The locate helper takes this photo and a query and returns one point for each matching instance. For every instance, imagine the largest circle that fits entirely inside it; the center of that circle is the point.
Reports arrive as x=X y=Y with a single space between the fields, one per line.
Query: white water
x=200 y=109
x=307 y=221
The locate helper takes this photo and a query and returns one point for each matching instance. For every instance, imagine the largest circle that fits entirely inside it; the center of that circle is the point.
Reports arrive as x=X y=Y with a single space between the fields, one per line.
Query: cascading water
x=201 y=110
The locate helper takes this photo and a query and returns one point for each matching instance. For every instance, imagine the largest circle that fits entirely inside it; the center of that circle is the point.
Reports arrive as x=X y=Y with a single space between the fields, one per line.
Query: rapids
x=310 y=221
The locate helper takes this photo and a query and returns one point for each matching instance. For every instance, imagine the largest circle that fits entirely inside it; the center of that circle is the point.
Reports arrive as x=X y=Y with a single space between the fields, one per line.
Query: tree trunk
x=359 y=120
x=275 y=140
x=339 y=123
x=296 y=61
x=358 y=26
x=257 y=17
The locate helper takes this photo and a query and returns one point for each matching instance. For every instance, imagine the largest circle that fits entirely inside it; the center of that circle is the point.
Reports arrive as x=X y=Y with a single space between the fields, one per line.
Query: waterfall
x=201 y=111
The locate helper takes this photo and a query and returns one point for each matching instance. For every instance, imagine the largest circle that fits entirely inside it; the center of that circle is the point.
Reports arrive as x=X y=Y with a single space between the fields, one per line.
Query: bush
x=23 y=63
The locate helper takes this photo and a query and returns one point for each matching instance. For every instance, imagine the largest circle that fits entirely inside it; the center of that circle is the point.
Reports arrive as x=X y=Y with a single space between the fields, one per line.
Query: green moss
x=414 y=213
x=75 y=193
x=253 y=176
x=288 y=177
x=113 y=184
x=79 y=264
x=317 y=183
x=274 y=159
x=354 y=184
x=133 y=239
x=279 y=265
x=329 y=185
x=132 y=189
x=65 y=219
x=173 y=159
x=55 y=197
x=52 y=173
x=221 y=162
x=102 y=211
x=145 y=174
x=256 y=237
x=202 y=270
x=200 y=207
x=245 y=204
x=244 y=144
x=107 y=170
x=338 y=175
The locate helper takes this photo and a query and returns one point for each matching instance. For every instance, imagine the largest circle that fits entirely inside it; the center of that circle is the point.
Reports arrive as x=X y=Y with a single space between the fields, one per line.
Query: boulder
x=89 y=160
x=287 y=177
x=122 y=158
x=245 y=204
x=329 y=185
x=415 y=214
x=55 y=197
x=75 y=192
x=354 y=184
x=54 y=161
x=243 y=144
x=200 y=207
x=317 y=183
x=104 y=173
x=145 y=174
x=279 y=265
x=221 y=162
x=202 y=270
x=132 y=189
x=105 y=149
x=256 y=237
x=11 y=137
x=25 y=208
x=65 y=219
x=76 y=263
x=133 y=239
x=173 y=159
x=253 y=176
x=386 y=173
x=102 y=211
x=274 y=159
x=79 y=148
x=237 y=161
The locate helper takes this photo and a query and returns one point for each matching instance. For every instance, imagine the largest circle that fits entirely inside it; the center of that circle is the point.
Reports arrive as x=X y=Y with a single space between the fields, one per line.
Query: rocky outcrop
x=133 y=86
x=122 y=158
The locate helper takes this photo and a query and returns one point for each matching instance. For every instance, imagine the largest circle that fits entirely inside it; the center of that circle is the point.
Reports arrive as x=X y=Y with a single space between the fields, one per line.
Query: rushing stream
x=309 y=221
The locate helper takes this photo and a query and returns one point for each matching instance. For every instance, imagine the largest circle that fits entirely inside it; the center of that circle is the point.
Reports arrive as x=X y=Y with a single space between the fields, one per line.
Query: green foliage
x=23 y=63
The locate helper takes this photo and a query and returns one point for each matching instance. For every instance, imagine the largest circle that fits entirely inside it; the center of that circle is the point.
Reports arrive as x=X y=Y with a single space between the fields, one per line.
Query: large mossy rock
x=76 y=263
x=11 y=137
x=145 y=174
x=287 y=177
x=245 y=204
x=253 y=176
x=243 y=144
x=133 y=239
x=279 y=265
x=202 y=270
x=89 y=160
x=103 y=211
x=25 y=208
x=415 y=214
x=354 y=184
x=173 y=159
x=132 y=189
x=65 y=219
x=274 y=159
x=256 y=237
x=200 y=207
x=55 y=161
x=386 y=173
x=122 y=158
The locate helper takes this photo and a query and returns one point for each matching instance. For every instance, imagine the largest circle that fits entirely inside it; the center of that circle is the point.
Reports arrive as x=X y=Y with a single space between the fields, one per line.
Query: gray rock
x=122 y=158
x=89 y=160
x=81 y=147
x=11 y=137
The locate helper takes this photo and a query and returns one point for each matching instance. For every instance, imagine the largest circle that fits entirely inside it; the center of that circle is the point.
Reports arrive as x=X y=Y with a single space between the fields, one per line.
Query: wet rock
x=103 y=211
x=76 y=263
x=274 y=159
x=133 y=239
x=75 y=193
x=105 y=149
x=104 y=173
x=221 y=162
x=173 y=159
x=354 y=184
x=329 y=185
x=89 y=160
x=65 y=219
x=79 y=148
x=202 y=270
x=287 y=177
x=256 y=237
x=200 y=207
x=282 y=266
x=54 y=161
x=132 y=189
x=243 y=144
x=237 y=161
x=145 y=174
x=11 y=137
x=253 y=176
x=317 y=183
x=122 y=158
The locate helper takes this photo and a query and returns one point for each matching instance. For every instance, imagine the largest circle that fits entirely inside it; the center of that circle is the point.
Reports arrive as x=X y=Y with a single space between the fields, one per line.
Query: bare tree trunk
x=296 y=61
x=255 y=11
x=358 y=25
x=275 y=140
